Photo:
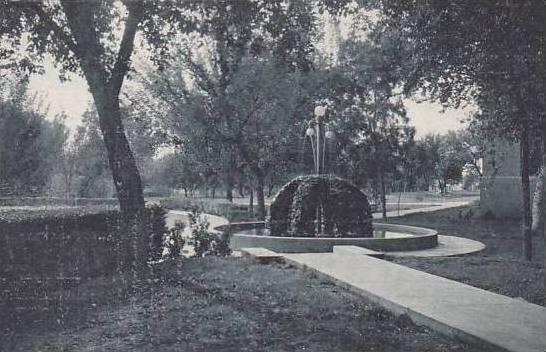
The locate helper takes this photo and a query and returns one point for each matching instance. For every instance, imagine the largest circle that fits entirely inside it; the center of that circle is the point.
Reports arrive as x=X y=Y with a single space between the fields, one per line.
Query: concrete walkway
x=448 y=246
x=182 y=215
x=426 y=209
x=453 y=308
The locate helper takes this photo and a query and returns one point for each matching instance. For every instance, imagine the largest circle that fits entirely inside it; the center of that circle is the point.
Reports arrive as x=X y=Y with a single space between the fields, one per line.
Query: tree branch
x=87 y=45
x=136 y=10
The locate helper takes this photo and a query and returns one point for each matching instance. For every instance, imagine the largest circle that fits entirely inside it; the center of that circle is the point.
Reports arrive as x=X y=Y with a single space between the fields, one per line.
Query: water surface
x=376 y=233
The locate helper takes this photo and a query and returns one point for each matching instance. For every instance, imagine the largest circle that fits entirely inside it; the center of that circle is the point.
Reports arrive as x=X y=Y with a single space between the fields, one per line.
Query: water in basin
x=376 y=233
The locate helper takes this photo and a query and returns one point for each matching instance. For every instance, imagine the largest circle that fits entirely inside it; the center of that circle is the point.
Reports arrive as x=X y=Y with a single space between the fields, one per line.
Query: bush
x=158 y=230
x=76 y=241
x=174 y=241
x=56 y=201
x=204 y=242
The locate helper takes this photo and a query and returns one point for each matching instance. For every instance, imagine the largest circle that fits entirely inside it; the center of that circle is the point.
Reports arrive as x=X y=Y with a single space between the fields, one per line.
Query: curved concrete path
x=448 y=246
x=176 y=215
x=427 y=209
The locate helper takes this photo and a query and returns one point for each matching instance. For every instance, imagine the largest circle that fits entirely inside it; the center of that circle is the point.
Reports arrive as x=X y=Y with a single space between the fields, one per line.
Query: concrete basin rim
x=415 y=231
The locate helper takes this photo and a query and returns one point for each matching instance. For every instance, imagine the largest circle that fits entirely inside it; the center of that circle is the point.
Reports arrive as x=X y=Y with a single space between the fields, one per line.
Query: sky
x=73 y=98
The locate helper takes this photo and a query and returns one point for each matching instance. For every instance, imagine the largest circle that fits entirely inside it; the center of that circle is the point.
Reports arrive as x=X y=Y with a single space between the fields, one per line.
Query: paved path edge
x=398 y=309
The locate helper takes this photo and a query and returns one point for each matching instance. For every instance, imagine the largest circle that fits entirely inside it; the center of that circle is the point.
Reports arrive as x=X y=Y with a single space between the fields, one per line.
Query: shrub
x=76 y=241
x=174 y=241
x=52 y=201
x=158 y=230
x=205 y=242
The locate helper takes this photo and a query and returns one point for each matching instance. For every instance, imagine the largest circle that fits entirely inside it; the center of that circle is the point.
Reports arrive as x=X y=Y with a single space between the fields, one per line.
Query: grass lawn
x=216 y=304
x=499 y=268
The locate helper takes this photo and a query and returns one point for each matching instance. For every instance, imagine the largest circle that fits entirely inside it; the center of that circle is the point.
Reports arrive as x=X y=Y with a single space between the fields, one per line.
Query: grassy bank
x=214 y=304
x=499 y=268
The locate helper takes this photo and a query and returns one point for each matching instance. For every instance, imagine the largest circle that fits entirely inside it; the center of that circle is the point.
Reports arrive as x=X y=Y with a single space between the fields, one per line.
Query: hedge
x=75 y=242
x=49 y=201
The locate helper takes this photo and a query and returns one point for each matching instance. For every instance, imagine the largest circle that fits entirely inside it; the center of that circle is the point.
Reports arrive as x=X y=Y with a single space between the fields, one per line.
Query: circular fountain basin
x=386 y=238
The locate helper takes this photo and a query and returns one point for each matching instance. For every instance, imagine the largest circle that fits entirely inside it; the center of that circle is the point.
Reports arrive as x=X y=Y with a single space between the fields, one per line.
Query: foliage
x=29 y=143
x=104 y=221
x=50 y=214
x=175 y=241
x=89 y=161
x=344 y=209
x=158 y=230
x=83 y=164
x=260 y=132
x=240 y=88
x=205 y=242
x=74 y=242
x=452 y=161
x=83 y=38
x=490 y=54
x=459 y=52
x=442 y=159
x=177 y=171
x=367 y=114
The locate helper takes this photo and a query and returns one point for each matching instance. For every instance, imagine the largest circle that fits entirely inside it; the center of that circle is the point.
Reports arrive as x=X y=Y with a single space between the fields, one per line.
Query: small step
x=262 y=255
x=358 y=250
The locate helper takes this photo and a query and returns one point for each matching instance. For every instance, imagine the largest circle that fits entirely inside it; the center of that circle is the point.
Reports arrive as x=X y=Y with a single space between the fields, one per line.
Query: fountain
x=318 y=206
x=314 y=213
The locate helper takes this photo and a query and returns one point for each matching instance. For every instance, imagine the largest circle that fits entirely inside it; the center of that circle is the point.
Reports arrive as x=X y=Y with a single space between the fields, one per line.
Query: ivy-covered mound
x=344 y=208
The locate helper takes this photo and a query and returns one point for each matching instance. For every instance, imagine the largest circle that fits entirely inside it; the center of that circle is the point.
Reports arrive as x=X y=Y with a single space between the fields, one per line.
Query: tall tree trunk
x=260 y=195
x=105 y=84
x=538 y=204
x=383 y=190
x=270 y=189
x=229 y=184
x=251 y=201
x=105 y=88
x=120 y=157
x=526 y=192
x=544 y=174
x=134 y=250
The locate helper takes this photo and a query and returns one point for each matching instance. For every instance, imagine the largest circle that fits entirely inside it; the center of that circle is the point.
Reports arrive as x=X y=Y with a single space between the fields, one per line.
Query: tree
x=177 y=170
x=91 y=165
x=425 y=156
x=538 y=204
x=455 y=154
x=488 y=53
x=80 y=36
x=264 y=102
x=237 y=35
x=29 y=144
x=369 y=116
